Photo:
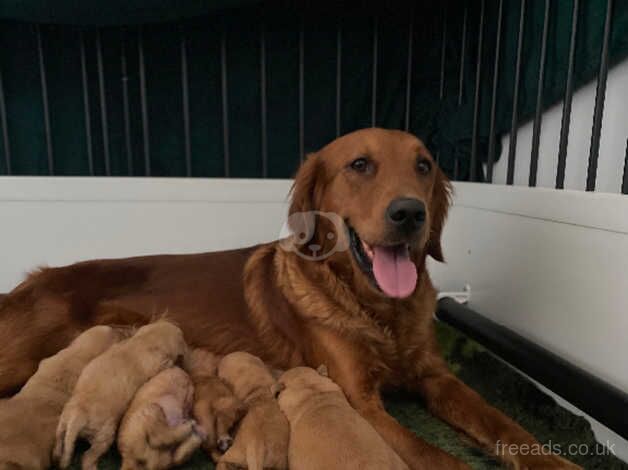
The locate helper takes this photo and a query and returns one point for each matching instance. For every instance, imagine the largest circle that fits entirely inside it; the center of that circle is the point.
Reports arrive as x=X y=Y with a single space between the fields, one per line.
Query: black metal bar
x=125 y=103
x=86 y=112
x=225 y=100
x=443 y=50
x=103 y=104
x=476 y=103
x=624 y=183
x=374 y=79
x=512 y=148
x=409 y=73
x=600 y=94
x=338 y=78
x=538 y=115
x=145 y=127
x=264 y=122
x=587 y=392
x=463 y=48
x=566 y=119
x=5 y=129
x=44 y=97
x=491 y=133
x=301 y=93
x=185 y=96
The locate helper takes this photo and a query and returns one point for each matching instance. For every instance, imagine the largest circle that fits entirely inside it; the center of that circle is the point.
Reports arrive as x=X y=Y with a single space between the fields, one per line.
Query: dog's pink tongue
x=394 y=272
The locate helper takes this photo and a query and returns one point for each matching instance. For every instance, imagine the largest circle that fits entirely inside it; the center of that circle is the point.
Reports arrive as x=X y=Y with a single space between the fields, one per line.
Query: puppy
x=156 y=431
x=107 y=385
x=216 y=409
x=325 y=431
x=29 y=419
x=262 y=438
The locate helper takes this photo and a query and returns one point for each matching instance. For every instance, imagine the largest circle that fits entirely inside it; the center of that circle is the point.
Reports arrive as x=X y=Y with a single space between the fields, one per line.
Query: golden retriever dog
x=325 y=432
x=216 y=408
x=157 y=431
x=106 y=387
x=349 y=289
x=28 y=420
x=262 y=437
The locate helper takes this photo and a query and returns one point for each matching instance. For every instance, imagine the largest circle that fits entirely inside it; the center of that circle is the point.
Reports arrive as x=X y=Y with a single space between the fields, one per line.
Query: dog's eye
x=361 y=165
x=423 y=167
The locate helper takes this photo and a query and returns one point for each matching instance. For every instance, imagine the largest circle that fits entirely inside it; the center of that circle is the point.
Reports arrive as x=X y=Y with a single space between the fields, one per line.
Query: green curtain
x=442 y=123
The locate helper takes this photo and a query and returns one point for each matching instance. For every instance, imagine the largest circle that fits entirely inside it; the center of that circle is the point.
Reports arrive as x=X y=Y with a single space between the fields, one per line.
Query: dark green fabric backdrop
x=444 y=125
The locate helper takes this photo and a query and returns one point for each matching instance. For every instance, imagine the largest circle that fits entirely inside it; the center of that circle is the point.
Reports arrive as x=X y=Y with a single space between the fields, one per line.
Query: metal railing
x=465 y=48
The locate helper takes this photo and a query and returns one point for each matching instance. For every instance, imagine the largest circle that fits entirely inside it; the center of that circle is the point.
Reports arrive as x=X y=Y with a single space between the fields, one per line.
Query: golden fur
x=157 y=431
x=106 y=387
x=262 y=437
x=29 y=419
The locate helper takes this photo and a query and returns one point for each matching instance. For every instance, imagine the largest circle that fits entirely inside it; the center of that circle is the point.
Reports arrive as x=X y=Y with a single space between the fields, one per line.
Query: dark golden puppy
x=350 y=289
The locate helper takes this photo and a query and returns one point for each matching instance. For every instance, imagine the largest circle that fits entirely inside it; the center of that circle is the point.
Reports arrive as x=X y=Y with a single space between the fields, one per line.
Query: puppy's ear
x=277 y=388
x=439 y=206
x=322 y=370
x=304 y=190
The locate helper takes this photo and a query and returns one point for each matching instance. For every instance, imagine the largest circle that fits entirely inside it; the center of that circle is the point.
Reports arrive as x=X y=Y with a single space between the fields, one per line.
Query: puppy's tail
x=70 y=426
x=255 y=455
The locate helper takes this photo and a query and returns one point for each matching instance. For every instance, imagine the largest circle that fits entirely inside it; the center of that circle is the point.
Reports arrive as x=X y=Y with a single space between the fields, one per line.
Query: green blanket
x=501 y=386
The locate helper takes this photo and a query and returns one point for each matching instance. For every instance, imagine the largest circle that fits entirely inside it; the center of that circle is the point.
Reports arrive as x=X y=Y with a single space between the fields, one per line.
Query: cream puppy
x=262 y=438
x=157 y=431
x=325 y=431
x=29 y=419
x=107 y=385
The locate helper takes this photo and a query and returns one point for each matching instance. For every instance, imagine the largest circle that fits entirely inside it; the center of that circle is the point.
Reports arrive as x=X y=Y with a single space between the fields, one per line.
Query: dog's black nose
x=406 y=214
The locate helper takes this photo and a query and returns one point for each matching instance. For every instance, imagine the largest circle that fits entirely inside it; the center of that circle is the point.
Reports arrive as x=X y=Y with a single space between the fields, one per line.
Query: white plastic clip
x=462 y=297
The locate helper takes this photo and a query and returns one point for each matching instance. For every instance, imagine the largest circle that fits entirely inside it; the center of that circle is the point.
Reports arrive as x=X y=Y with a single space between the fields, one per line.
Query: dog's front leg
x=455 y=403
x=350 y=368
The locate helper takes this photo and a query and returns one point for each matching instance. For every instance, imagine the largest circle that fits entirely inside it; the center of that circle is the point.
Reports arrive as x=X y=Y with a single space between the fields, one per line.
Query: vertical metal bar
x=409 y=72
x=338 y=78
x=374 y=80
x=103 y=104
x=566 y=119
x=463 y=49
x=185 y=95
x=624 y=183
x=491 y=136
x=600 y=94
x=86 y=112
x=476 y=103
x=538 y=115
x=5 y=129
x=225 y=101
x=264 y=122
x=512 y=149
x=44 y=97
x=125 y=103
x=145 y=127
x=301 y=93
x=443 y=50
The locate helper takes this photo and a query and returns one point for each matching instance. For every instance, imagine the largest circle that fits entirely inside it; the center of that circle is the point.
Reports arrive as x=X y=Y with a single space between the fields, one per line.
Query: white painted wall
x=612 y=143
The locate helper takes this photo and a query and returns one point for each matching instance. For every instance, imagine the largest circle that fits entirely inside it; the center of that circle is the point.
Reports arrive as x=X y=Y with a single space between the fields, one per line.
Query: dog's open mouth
x=390 y=267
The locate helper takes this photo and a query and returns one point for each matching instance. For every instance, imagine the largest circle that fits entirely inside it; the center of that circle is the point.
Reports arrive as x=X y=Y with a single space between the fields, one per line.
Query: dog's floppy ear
x=441 y=200
x=322 y=370
x=303 y=192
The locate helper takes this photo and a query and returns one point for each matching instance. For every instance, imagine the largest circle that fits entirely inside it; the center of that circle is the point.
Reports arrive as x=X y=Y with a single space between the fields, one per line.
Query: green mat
x=496 y=382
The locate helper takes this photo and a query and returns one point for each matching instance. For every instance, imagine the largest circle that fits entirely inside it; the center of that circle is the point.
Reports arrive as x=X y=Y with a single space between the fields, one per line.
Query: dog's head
x=391 y=199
